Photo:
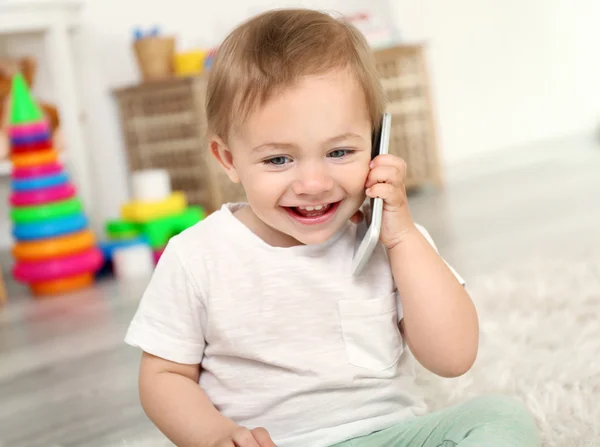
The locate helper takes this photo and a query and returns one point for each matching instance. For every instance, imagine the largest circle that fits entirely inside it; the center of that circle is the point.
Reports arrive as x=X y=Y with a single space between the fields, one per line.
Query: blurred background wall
x=503 y=74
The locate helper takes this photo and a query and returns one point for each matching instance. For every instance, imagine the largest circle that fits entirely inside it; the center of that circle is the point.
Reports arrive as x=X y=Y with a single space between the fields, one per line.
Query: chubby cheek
x=262 y=190
x=355 y=179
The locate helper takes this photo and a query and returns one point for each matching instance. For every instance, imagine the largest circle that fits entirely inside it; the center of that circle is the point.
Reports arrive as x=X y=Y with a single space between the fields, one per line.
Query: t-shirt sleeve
x=429 y=239
x=171 y=317
x=427 y=236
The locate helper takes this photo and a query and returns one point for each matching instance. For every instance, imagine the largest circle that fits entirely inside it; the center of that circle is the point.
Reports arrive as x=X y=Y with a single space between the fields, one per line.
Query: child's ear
x=223 y=155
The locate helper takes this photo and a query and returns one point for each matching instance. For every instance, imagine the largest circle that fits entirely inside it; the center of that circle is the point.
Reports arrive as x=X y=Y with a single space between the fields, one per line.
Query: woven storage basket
x=163 y=125
x=404 y=77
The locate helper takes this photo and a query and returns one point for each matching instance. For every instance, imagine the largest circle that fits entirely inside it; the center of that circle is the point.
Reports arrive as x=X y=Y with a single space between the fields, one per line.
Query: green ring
x=122 y=229
x=55 y=210
x=123 y=235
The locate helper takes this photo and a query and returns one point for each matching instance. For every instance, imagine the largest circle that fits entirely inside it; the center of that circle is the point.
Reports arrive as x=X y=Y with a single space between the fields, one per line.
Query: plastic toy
x=34 y=171
x=50 y=228
x=119 y=230
x=150 y=185
x=41 y=196
x=141 y=212
x=54 y=247
x=30 y=139
x=33 y=147
x=109 y=247
x=33 y=158
x=62 y=285
x=24 y=130
x=160 y=231
x=60 y=267
x=55 y=252
x=45 y=181
x=55 y=210
x=154 y=216
x=133 y=261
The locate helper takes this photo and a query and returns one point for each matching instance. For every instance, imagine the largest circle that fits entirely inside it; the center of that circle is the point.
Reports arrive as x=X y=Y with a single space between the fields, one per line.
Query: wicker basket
x=404 y=77
x=154 y=56
x=163 y=124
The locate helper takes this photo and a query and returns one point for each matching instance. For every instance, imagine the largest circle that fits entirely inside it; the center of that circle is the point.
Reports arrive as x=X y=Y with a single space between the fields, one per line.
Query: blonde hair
x=273 y=50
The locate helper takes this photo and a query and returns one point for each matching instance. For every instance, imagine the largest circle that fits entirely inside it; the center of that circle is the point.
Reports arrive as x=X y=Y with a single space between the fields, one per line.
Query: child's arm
x=440 y=321
x=172 y=399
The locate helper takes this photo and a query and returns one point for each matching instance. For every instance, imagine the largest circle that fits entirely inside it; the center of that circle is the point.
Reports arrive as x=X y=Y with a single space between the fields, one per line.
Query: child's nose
x=312 y=180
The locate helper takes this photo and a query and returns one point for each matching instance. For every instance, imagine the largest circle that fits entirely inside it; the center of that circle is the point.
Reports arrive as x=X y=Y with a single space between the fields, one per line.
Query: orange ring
x=26 y=160
x=54 y=247
x=62 y=285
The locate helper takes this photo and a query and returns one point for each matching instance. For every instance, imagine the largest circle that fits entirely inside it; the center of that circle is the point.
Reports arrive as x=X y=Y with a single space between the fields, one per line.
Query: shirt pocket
x=371 y=334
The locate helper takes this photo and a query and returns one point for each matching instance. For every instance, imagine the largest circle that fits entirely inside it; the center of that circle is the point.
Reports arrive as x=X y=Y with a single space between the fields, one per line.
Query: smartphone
x=373 y=216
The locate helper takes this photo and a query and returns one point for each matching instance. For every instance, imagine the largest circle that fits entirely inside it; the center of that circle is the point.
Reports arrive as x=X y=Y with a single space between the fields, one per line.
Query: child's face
x=303 y=158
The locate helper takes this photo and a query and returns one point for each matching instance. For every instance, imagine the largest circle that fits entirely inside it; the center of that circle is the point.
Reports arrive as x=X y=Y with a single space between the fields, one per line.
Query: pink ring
x=41 y=196
x=88 y=261
x=36 y=171
x=25 y=130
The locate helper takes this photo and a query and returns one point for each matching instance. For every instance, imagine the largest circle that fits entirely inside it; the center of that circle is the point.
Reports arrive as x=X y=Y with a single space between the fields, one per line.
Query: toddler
x=253 y=329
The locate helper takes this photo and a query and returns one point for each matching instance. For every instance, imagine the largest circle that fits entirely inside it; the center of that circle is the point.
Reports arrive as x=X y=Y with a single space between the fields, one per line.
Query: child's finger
x=389 y=160
x=383 y=191
x=384 y=174
x=243 y=437
x=263 y=438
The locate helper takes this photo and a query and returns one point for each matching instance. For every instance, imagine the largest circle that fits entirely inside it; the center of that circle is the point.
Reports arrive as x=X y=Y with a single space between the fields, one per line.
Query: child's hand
x=242 y=437
x=386 y=180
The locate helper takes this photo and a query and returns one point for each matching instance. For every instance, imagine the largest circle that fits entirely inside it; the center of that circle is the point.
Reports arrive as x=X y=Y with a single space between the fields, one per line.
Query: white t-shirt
x=288 y=339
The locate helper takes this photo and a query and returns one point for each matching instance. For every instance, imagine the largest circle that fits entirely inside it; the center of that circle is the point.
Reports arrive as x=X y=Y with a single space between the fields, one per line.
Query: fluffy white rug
x=540 y=342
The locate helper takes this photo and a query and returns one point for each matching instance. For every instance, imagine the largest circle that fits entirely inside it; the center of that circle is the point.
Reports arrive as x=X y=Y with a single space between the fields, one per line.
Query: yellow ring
x=55 y=247
x=28 y=159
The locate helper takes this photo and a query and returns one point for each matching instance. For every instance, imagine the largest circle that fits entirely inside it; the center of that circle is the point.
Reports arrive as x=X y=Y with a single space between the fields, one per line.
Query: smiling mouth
x=311 y=211
x=312 y=214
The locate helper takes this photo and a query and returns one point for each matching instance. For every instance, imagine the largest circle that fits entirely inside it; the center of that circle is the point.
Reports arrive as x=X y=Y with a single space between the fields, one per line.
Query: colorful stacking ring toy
x=64 y=208
x=108 y=247
x=22 y=130
x=42 y=196
x=30 y=139
x=50 y=228
x=47 y=181
x=62 y=285
x=29 y=159
x=119 y=230
x=54 y=247
x=37 y=171
x=32 y=147
x=57 y=268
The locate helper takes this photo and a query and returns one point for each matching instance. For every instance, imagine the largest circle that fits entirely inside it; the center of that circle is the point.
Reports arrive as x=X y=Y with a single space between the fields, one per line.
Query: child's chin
x=316 y=237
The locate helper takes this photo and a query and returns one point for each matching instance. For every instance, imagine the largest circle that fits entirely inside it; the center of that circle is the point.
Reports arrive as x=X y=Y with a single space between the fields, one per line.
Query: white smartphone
x=370 y=238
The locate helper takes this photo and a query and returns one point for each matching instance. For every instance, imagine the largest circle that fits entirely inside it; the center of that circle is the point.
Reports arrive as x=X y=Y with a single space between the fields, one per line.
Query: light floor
x=67 y=379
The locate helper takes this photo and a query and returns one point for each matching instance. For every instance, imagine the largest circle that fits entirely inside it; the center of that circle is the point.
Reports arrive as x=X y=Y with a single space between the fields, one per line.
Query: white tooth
x=309 y=208
x=318 y=207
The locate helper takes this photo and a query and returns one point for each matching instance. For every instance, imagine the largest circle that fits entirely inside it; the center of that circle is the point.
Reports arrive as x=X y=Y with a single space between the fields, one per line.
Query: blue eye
x=340 y=153
x=276 y=161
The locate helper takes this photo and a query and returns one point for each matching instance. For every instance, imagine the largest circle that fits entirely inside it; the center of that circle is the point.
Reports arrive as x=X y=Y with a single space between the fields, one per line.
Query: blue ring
x=30 y=139
x=108 y=247
x=46 y=181
x=50 y=228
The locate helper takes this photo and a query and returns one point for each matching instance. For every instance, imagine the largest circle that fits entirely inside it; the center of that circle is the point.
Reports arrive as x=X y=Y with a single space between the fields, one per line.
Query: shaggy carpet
x=540 y=342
